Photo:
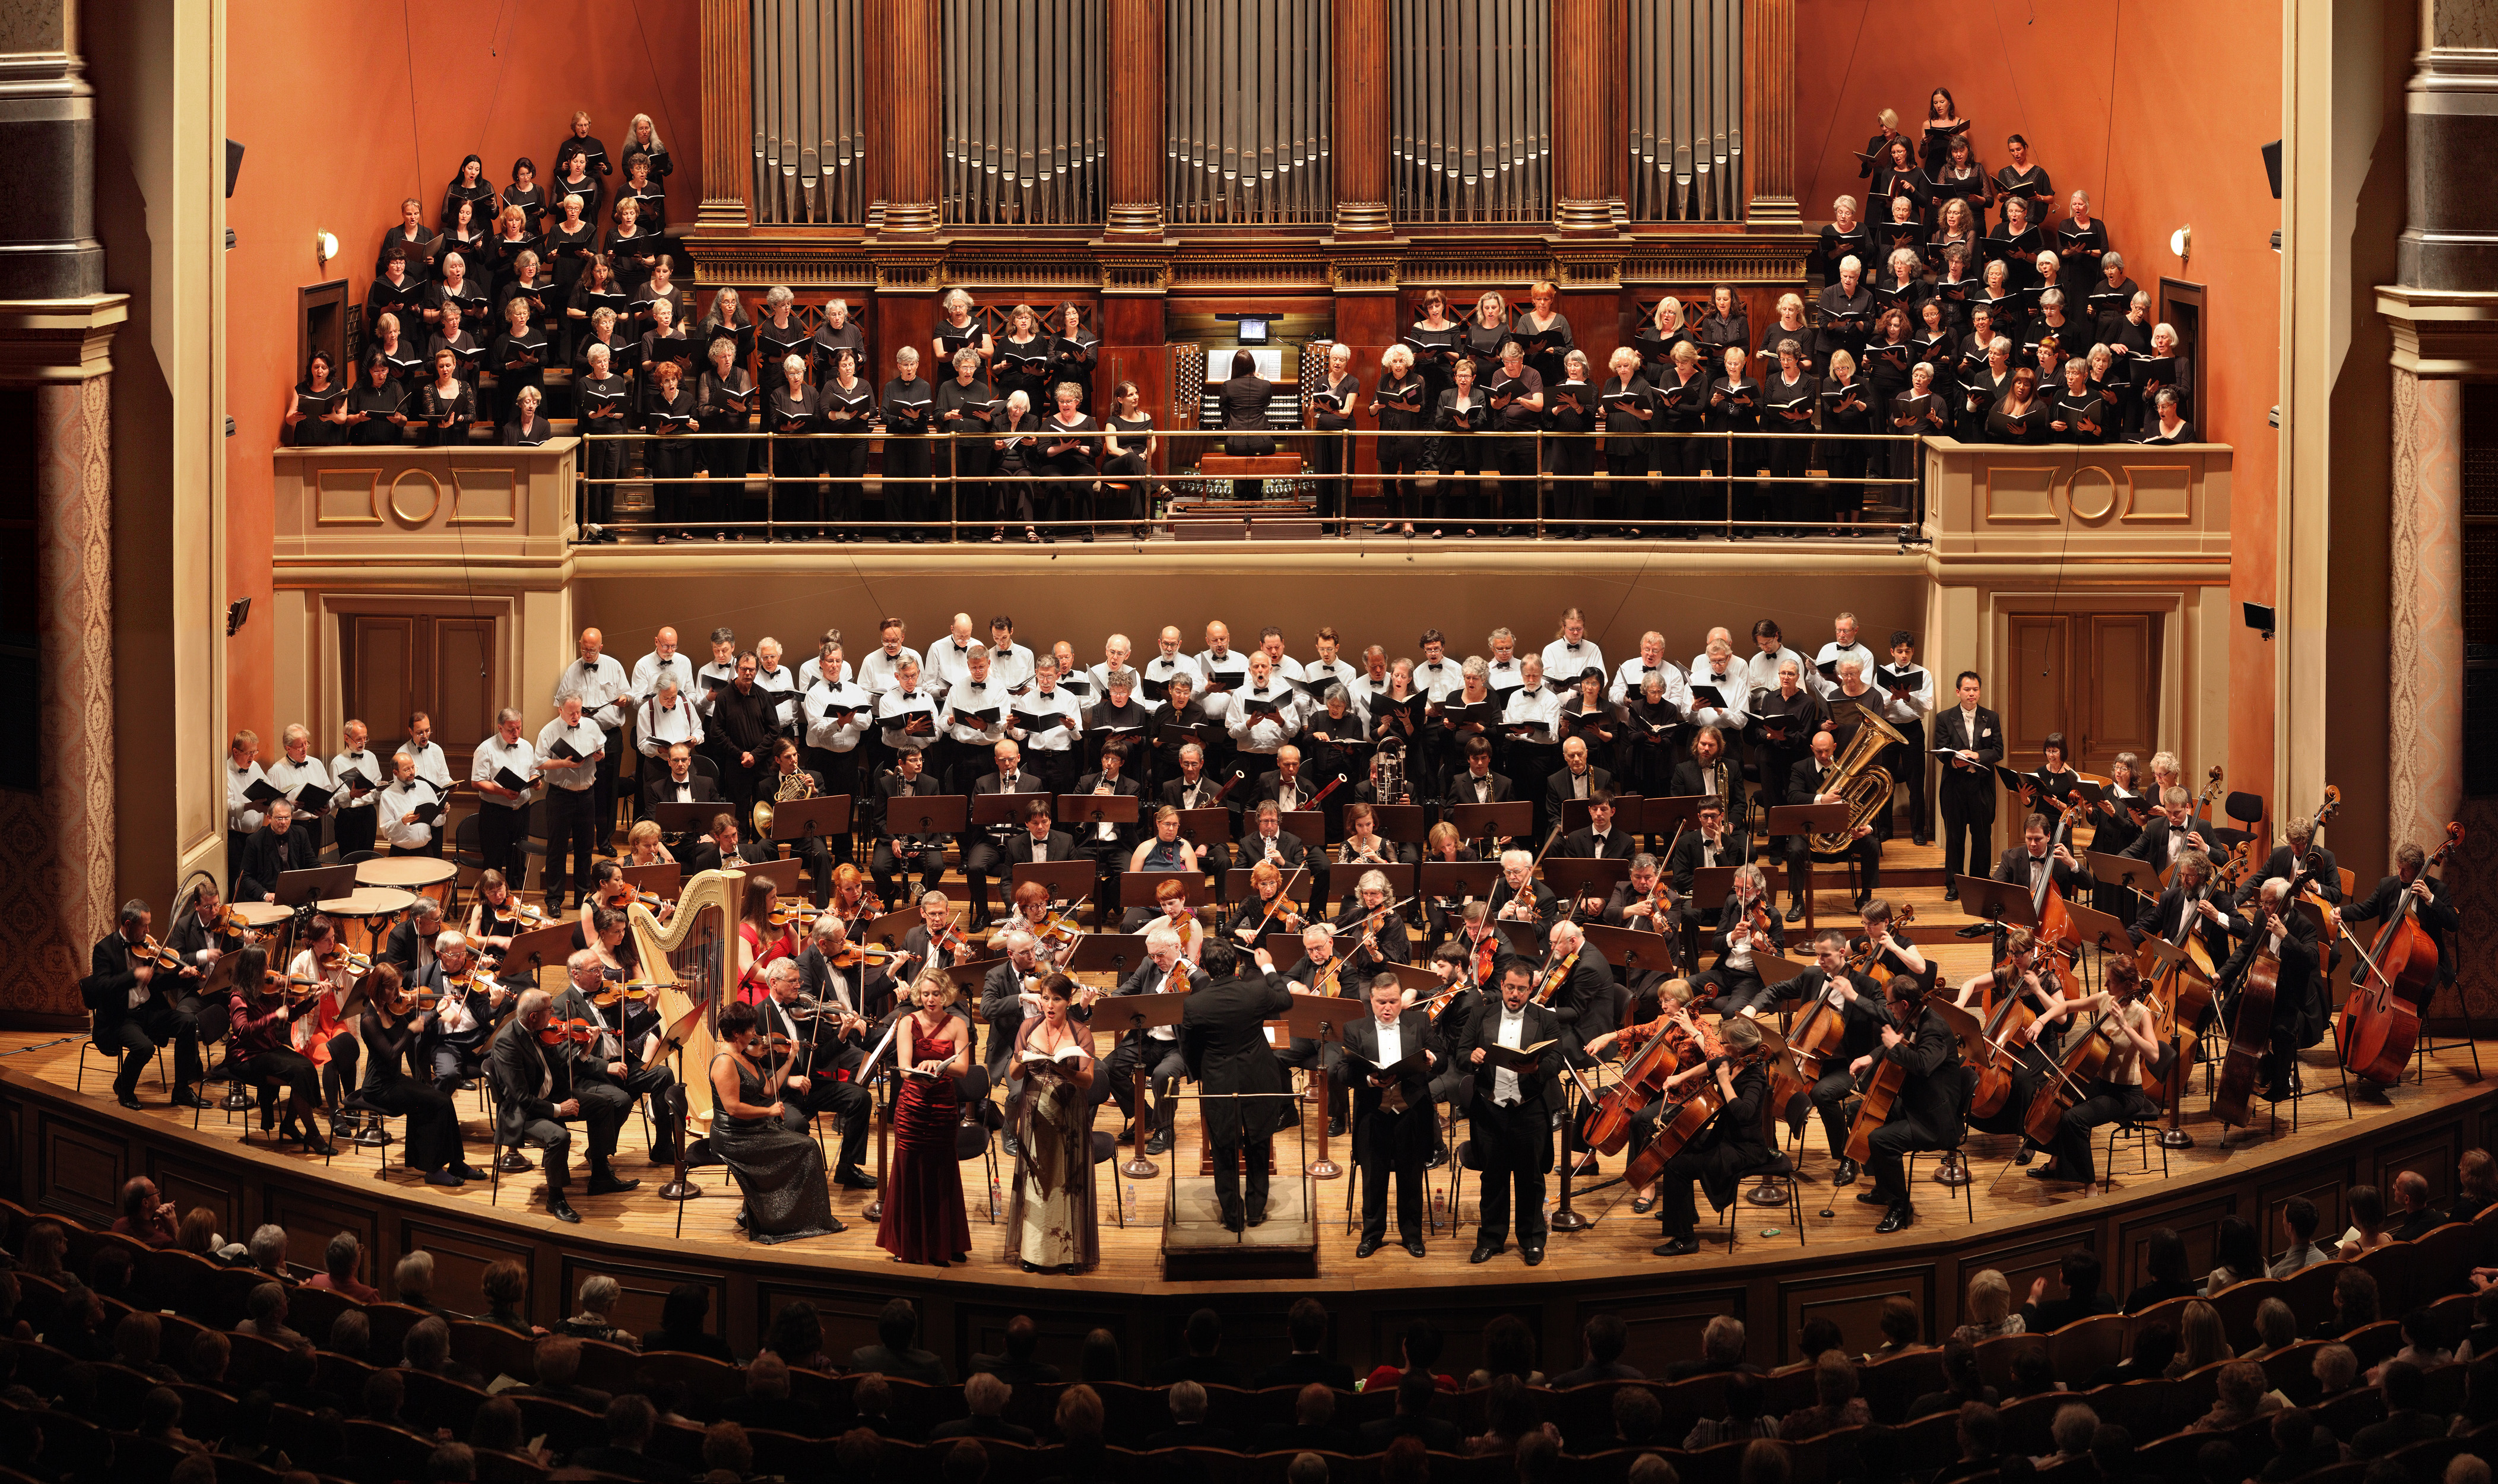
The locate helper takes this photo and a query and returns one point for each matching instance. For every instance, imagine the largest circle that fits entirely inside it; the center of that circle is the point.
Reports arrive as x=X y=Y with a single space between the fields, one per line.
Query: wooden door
x=2093 y=677
x=390 y=664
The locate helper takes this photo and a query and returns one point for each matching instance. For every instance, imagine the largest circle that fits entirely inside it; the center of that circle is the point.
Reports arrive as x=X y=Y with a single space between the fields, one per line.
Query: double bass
x=2250 y=1013
x=2380 y=1025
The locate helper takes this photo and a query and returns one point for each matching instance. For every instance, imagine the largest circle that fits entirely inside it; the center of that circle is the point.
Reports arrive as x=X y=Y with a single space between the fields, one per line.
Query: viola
x=148 y=950
x=2379 y=1023
x=567 y=1033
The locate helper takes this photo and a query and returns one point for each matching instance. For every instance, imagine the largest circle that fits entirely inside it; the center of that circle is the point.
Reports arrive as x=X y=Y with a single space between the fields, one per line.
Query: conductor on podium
x=1223 y=1035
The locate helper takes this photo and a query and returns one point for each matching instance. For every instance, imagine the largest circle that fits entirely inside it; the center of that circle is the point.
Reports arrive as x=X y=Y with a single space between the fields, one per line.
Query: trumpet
x=796 y=784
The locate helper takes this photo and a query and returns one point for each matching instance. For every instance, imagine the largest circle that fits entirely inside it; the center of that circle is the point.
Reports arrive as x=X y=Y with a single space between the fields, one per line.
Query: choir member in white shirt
x=1050 y=750
x=949 y=659
x=502 y=811
x=1010 y=663
x=1270 y=643
x=296 y=771
x=1327 y=663
x=572 y=791
x=242 y=815
x=1438 y=677
x=353 y=807
x=1845 y=646
x=405 y=833
x=906 y=715
x=1907 y=711
x=835 y=713
x=771 y=676
x=1502 y=672
x=1572 y=654
x=432 y=765
x=1633 y=675
x=722 y=668
x=1535 y=752
x=1762 y=669
x=1220 y=670
x=1115 y=651
x=1374 y=680
x=607 y=698
x=1170 y=662
x=879 y=667
x=1717 y=668
x=664 y=659
x=974 y=721
x=828 y=659
x=665 y=719
x=1276 y=716
x=1075 y=679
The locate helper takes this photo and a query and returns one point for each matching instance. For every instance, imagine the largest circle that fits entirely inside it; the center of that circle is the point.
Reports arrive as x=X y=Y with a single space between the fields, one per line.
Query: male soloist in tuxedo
x=1975 y=738
x=1510 y=1119
x=1390 y=1055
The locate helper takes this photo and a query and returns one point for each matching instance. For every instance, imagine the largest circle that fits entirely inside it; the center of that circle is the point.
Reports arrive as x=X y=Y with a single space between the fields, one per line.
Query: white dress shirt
x=1439 y=679
x=1735 y=684
x=365 y=763
x=813 y=672
x=948 y=663
x=835 y=731
x=1564 y=662
x=1235 y=662
x=1511 y=1033
x=1162 y=669
x=291 y=778
x=894 y=710
x=585 y=739
x=1761 y=670
x=492 y=757
x=977 y=695
x=657 y=729
x=1391 y=1042
x=599 y=684
x=781 y=681
x=704 y=693
x=1533 y=706
x=1630 y=683
x=1908 y=706
x=876 y=669
x=1011 y=668
x=648 y=668
x=1055 y=702
x=398 y=802
x=673 y=792
x=432 y=765
x=1264 y=731
x=1340 y=671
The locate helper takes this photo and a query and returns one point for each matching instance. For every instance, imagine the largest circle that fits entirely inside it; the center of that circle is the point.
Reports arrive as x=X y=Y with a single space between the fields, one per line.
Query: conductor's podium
x=1219 y=515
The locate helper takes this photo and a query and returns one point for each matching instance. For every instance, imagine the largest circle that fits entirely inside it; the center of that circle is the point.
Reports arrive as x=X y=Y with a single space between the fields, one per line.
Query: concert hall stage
x=70 y=1151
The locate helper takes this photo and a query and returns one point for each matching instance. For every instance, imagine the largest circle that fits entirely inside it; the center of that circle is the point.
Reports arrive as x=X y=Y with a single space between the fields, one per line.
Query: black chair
x=2248 y=809
x=87 y=1048
x=1779 y=1172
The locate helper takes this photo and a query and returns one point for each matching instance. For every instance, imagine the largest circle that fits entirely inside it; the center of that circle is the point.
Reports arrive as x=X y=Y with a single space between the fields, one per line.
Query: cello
x=2006 y=1017
x=2083 y=1063
x=1608 y=1124
x=2056 y=933
x=2250 y=1013
x=2380 y=1025
x=1881 y=1089
x=1678 y=1123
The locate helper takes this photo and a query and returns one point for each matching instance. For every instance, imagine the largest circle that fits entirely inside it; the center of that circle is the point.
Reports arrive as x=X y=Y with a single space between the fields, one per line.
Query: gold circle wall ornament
x=2090 y=493
x=403 y=505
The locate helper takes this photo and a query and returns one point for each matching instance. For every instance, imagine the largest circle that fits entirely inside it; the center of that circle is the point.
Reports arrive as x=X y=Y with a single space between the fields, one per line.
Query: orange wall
x=334 y=139
x=2159 y=111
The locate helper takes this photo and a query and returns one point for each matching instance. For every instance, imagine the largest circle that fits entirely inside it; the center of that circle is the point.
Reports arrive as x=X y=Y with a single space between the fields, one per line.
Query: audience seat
x=390 y=1323
x=710 y=1382
x=439 y=1402
x=1995 y=1357
x=2309 y=1293
x=1891 y=1386
x=2080 y=1348
x=378 y=1452
x=496 y=1466
x=492 y=1350
x=312 y=1310
x=566 y=1428
x=2374 y=1342
x=2237 y=1304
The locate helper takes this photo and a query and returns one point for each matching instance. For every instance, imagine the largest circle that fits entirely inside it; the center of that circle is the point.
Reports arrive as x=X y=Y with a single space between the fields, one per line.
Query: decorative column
x=909 y=139
x=1358 y=118
x=1137 y=123
x=1617 y=110
x=1582 y=130
x=727 y=114
x=48 y=246
x=1768 y=114
x=2425 y=675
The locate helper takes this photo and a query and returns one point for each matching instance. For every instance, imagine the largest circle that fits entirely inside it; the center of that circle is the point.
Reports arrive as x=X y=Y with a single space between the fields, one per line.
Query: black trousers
x=355 y=829
x=846 y=1102
x=1678 y=462
x=1163 y=1065
x=606 y=463
x=1788 y=459
x=1400 y=459
x=907 y=464
x=603 y=1109
x=433 y=1125
x=287 y=1068
x=1332 y=469
x=1229 y=1194
x=889 y=867
x=2106 y=1104
x=1905 y=762
x=499 y=831
x=981 y=860
x=1572 y=461
x=572 y=827
x=1386 y=1144
x=1829 y=1099
x=144 y=1029
x=1887 y=1157
x=1736 y=990
x=1868 y=852
x=1514 y=1145
x=609 y=763
x=1964 y=837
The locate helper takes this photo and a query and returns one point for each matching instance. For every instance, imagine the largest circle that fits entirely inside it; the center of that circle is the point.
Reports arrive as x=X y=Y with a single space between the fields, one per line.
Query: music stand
x=925 y=813
x=2124 y=870
x=662 y=879
x=1091 y=809
x=1065 y=880
x=1628 y=948
x=1140 y=888
x=1422 y=982
x=782 y=874
x=1627 y=808
x=887 y=931
x=802 y=819
x=2003 y=905
x=316 y=884
x=1572 y=879
x=1458 y=878
x=2101 y=930
x=989 y=810
x=1400 y=875
x=1322 y=1018
x=692 y=818
x=1237 y=886
x=1307 y=826
x=1404 y=824
x=1202 y=826
x=968 y=976
x=1484 y=822
x=1285 y=948
x=1117 y=955
x=1805 y=820
x=1139 y=1013
x=1665 y=816
x=1711 y=885
x=540 y=948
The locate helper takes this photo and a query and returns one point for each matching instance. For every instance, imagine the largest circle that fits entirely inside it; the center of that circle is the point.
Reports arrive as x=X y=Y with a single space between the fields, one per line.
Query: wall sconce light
x=2180 y=242
x=326 y=244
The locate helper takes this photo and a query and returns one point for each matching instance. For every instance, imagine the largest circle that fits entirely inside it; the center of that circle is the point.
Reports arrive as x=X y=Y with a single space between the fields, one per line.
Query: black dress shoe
x=1899 y=1218
x=1871 y=1198
x=1679 y=1246
x=1795 y=912
x=441 y=1177
x=853 y=1179
x=1534 y=1255
x=1257 y=1216
x=1365 y=1246
x=1414 y=1244
x=1845 y=1173
x=184 y=1097
x=2045 y=1172
x=562 y=1209
x=1951 y=893
x=1335 y=1128
x=127 y=1099
x=1484 y=1252
x=604 y=1183
x=1159 y=1142
x=2026 y=1156
x=1924 y=840
x=1231 y=1224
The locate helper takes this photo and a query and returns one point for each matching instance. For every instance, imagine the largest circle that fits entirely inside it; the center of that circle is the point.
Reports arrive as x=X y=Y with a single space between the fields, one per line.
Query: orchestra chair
x=511 y=1152
x=1968 y=1187
x=1777 y=1173
x=2145 y=1135
x=1106 y=1148
x=467 y=851
x=87 y=1047
x=977 y=1134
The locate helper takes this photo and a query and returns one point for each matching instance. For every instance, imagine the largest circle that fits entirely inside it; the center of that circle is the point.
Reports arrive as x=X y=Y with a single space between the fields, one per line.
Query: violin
x=148 y=950
x=354 y=964
x=853 y=954
x=567 y=1033
x=1556 y=977
x=1486 y=955
x=1608 y=1125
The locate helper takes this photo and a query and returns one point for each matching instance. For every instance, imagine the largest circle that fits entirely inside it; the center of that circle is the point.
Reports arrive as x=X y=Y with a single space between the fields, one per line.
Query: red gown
x=923 y=1220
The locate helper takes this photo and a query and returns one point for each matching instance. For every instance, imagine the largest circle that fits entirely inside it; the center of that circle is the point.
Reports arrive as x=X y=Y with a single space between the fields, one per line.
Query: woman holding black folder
x=597 y=289
x=2019 y=416
x=1436 y=342
x=374 y=415
x=464 y=346
x=1517 y=396
x=1900 y=177
x=1331 y=407
x=1462 y=412
x=1074 y=352
x=1954 y=228
x=666 y=341
x=1962 y=177
x=1656 y=340
x=446 y=404
x=530 y=287
x=904 y=409
x=2164 y=369
x=2025 y=180
x=2169 y=420
x=1023 y=358
x=1070 y=445
x=1905 y=290
x=1886 y=376
x=572 y=178
x=964 y=404
x=1629 y=406
x=1544 y=331
x=467 y=188
x=1937 y=343
x=465 y=233
x=453 y=291
x=1486 y=330
x=668 y=456
x=1013 y=454
x=779 y=334
x=1128 y=442
x=512 y=238
x=527 y=426
x=728 y=316
x=1942 y=123
x=724 y=403
x=2083 y=238
x=633 y=246
x=1683 y=403
x=789 y=416
x=409 y=241
x=1789 y=399
x=847 y=403
x=1791 y=327
x=2003 y=304
x=1734 y=409
x=1844 y=237
x=956 y=329
x=2078 y=415
x=601 y=398
x=519 y=356
x=1846 y=309
x=2015 y=244
x=1846 y=415
x=1400 y=401
x=316 y=413
x=1982 y=389
x=524 y=194
x=1570 y=410
x=571 y=243
x=1919 y=410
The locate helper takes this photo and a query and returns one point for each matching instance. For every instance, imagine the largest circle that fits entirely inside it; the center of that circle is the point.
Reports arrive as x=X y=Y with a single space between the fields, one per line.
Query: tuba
x=798 y=783
x=1867 y=789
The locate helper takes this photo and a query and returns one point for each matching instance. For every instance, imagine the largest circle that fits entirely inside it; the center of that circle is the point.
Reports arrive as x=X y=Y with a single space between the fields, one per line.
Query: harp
x=692 y=961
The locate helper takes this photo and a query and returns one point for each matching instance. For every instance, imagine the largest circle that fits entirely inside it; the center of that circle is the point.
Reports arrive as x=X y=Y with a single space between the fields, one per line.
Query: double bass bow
x=2380 y=1025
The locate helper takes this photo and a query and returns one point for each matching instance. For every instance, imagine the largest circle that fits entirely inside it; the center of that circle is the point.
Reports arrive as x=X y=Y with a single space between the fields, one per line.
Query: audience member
x=1313 y=1428
x=1746 y=1399
x=557 y=1364
x=2079 y=1272
x=1721 y=1348
x=1602 y=1338
x=1989 y=1307
x=2355 y=1303
x=2369 y=1228
x=2242 y=1399
x=1979 y=1433
x=1903 y=1327
x=1962 y=1384
x=2404 y=1387
x=2071 y=1431
x=797 y=1336
x=1420 y=1349
x=1306 y=1325
x=1098 y=1362
x=2155 y=1345
x=505 y=1285
x=1416 y=1394
x=598 y=1296
x=1202 y=1337
x=1016 y=1364
x=2298 y=1220
x=2416 y=1214
x=2166 y=1261
x=1835 y=1401
x=1508 y=1349
x=2276 y=1327
x=683 y=1315
x=2201 y=1340
x=630 y=1420
x=413 y=1279
x=2299 y=1447
x=265 y=1315
x=767 y=1402
x=986 y=1397
x=1189 y=1428
x=343 y=1264
x=893 y=1353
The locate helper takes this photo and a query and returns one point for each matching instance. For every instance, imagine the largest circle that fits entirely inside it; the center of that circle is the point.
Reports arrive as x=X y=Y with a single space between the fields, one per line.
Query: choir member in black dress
x=667 y=455
x=1942 y=123
x=964 y=406
x=603 y=330
x=725 y=402
x=789 y=416
x=1904 y=289
x=1022 y=360
x=1954 y=228
x=1544 y=331
x=570 y=244
x=1128 y=446
x=1905 y=229
x=395 y=292
x=527 y=426
x=376 y=410
x=2077 y=415
x=2025 y=180
x=2111 y=299
x=1936 y=345
x=1244 y=401
x=1073 y=350
x=1790 y=397
x=1846 y=310
x=513 y=236
x=1332 y=408
x=1656 y=340
x=649 y=199
x=1570 y=411
x=633 y=245
x=1845 y=236
x=2020 y=416
x=666 y=341
x=525 y=193
x=465 y=233
x=1885 y=365
x=847 y=403
x=1683 y=407
x=1724 y=325
x=2052 y=319
x=452 y=290
x=1434 y=338
x=1879 y=148
x=594 y=290
x=1962 y=177
x=1735 y=408
x=1516 y=396
x=2082 y=237
x=1013 y=454
x=641 y=138
x=410 y=240
x=2016 y=243
x=661 y=288
x=519 y=355
x=1400 y=401
x=602 y=399
x=1899 y=176
x=1071 y=448
x=1483 y=335
x=2166 y=369
x=446 y=404
x=1848 y=407
x=578 y=140
x=1983 y=388
x=728 y=316
x=467 y=188
x=1919 y=409
x=2167 y=423
x=316 y=413
x=573 y=180
x=904 y=409
x=1462 y=414
x=2048 y=272
x=959 y=329
x=779 y=333
x=2004 y=302
x=533 y=285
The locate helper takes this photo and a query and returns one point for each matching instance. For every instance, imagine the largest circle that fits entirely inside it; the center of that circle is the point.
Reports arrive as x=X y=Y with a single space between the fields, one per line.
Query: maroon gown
x=923 y=1220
